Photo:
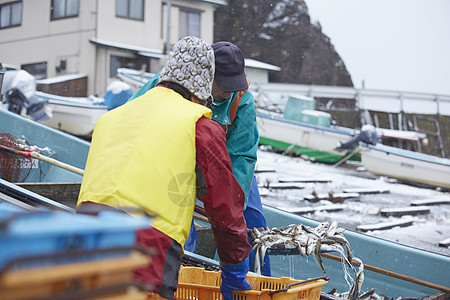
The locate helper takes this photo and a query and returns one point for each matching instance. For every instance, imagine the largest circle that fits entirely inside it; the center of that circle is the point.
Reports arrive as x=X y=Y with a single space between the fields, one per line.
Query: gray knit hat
x=191 y=64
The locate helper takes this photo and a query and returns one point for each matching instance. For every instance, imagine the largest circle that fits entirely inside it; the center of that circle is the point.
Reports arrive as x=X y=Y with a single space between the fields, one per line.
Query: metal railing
x=366 y=99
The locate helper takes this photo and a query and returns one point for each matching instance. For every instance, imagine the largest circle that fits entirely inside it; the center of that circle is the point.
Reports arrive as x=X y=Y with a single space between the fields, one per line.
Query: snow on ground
x=426 y=231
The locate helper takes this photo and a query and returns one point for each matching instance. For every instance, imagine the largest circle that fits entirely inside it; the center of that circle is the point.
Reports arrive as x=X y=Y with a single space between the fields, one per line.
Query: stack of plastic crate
x=59 y=255
x=198 y=283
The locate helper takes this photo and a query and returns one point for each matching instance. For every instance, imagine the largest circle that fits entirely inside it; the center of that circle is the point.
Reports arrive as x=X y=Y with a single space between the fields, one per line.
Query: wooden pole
x=201 y=218
x=33 y=154
x=393 y=274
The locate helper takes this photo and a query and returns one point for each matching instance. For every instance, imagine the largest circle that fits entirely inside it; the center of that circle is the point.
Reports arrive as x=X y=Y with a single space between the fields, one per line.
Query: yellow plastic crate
x=197 y=283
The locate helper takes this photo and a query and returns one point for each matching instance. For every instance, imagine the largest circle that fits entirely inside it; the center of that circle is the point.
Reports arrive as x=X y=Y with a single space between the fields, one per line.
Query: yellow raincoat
x=143 y=155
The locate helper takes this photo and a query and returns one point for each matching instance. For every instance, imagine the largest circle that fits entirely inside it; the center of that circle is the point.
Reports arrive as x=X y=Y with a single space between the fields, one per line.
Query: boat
x=75 y=115
x=78 y=115
x=60 y=146
x=393 y=269
x=405 y=165
x=313 y=142
x=135 y=78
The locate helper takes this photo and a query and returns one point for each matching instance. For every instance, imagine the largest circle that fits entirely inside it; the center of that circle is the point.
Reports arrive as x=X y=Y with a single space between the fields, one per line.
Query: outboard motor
x=35 y=106
x=36 y=109
x=367 y=135
x=16 y=101
x=19 y=88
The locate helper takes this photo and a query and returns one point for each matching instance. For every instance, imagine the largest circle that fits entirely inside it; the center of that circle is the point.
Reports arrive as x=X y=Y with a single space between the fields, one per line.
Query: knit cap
x=191 y=65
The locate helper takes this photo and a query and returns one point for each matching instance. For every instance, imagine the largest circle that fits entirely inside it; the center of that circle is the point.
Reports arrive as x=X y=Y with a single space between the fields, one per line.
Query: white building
x=50 y=38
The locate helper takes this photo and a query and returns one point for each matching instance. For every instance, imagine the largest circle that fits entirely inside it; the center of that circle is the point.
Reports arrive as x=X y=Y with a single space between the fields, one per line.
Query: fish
x=257 y=268
x=359 y=279
x=327 y=236
x=317 y=257
x=341 y=240
x=262 y=249
x=367 y=295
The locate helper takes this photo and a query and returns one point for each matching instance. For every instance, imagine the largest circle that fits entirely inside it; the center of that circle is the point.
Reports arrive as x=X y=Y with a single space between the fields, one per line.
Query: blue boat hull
x=68 y=149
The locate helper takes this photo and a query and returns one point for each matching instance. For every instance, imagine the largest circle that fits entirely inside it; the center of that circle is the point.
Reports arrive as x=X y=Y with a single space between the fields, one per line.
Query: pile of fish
x=326 y=237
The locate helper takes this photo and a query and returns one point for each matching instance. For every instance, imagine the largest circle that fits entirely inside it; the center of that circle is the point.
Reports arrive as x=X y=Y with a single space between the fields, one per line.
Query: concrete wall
x=146 y=33
x=206 y=22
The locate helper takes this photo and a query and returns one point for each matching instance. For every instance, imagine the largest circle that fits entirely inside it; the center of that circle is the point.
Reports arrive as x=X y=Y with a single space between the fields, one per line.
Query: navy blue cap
x=229 y=75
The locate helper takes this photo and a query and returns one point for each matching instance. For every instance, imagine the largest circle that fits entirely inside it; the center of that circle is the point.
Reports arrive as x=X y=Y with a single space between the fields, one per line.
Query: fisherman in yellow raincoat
x=158 y=153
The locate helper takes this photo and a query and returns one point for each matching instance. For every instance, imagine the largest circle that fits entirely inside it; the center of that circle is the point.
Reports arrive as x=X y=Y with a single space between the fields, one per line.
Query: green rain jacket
x=241 y=133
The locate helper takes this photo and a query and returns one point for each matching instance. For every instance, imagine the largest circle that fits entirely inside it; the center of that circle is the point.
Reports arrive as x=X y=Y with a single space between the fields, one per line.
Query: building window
x=132 y=9
x=134 y=63
x=11 y=14
x=38 y=70
x=189 y=23
x=64 y=9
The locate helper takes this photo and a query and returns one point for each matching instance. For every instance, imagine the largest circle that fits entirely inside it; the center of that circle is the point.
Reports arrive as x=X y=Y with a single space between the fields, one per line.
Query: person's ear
x=195 y=99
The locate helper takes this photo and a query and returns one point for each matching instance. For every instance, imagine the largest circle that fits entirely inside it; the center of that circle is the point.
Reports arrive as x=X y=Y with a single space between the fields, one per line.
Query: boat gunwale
x=407 y=154
x=297 y=123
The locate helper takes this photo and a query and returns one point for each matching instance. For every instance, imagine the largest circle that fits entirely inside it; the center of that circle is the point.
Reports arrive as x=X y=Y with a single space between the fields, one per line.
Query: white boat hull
x=77 y=120
x=76 y=116
x=431 y=170
x=303 y=135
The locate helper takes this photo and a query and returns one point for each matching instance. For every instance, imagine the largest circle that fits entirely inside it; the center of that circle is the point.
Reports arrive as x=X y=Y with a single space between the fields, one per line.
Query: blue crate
x=58 y=234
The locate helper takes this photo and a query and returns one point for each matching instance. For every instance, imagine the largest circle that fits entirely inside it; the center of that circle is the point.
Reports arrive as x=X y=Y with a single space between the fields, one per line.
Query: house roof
x=140 y=50
x=216 y=2
x=61 y=78
x=251 y=63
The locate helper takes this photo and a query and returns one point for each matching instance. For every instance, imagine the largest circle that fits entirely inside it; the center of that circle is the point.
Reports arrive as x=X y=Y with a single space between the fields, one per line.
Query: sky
x=400 y=45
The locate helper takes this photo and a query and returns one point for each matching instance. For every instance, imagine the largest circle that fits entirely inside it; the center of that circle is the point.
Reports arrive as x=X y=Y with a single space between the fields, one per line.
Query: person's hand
x=233 y=278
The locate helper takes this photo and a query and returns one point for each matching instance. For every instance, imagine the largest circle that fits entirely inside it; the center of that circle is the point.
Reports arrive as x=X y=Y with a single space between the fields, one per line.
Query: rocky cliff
x=280 y=32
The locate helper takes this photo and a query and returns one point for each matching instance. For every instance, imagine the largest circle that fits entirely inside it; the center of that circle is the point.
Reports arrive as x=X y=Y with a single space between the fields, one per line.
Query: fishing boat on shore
x=78 y=115
x=405 y=165
x=75 y=115
x=135 y=78
x=314 y=142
